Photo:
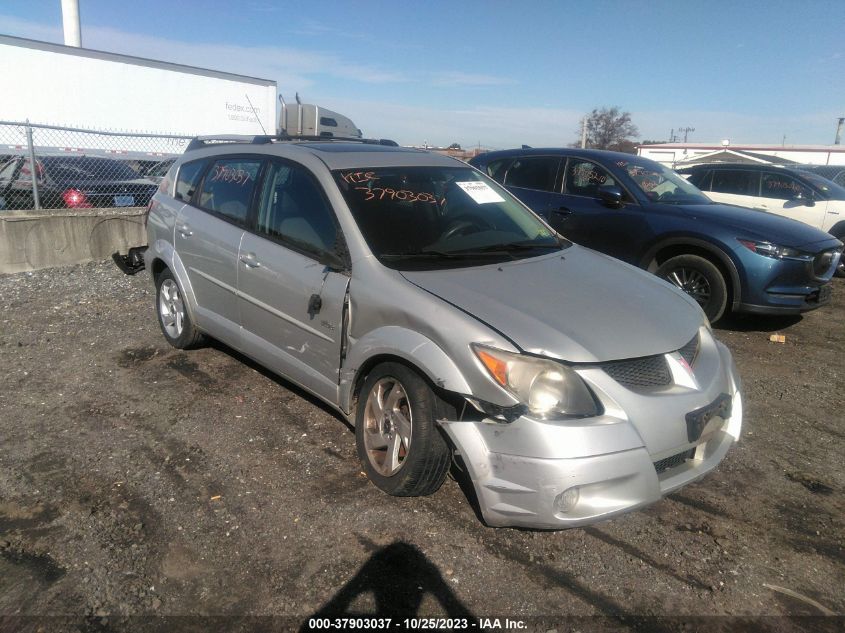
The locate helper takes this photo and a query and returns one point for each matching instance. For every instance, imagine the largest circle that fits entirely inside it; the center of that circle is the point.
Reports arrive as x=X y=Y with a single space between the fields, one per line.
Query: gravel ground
x=139 y=480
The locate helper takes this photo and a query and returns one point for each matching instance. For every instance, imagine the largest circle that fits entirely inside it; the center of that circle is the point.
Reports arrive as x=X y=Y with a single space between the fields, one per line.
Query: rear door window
x=227 y=188
x=739 y=182
x=538 y=172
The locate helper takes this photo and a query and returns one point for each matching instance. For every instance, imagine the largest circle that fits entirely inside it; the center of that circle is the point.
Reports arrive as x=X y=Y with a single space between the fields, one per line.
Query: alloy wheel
x=171 y=308
x=387 y=426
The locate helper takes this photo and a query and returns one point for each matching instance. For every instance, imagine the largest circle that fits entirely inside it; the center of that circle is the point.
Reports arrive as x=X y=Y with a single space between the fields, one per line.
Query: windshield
x=441 y=217
x=661 y=184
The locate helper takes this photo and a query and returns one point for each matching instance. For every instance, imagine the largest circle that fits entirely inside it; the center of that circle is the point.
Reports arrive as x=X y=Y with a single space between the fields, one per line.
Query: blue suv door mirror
x=611 y=195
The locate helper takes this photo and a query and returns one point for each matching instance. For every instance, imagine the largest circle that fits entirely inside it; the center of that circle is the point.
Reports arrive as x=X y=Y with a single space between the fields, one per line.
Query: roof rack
x=199 y=142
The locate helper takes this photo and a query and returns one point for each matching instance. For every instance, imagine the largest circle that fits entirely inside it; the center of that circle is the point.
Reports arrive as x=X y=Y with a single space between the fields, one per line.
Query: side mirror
x=333 y=261
x=611 y=195
x=808 y=200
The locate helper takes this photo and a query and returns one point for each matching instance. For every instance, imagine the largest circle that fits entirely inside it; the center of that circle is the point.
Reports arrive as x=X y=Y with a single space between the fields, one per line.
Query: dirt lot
x=136 y=479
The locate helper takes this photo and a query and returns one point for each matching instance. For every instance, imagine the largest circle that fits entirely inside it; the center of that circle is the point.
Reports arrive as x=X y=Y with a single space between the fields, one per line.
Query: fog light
x=567 y=500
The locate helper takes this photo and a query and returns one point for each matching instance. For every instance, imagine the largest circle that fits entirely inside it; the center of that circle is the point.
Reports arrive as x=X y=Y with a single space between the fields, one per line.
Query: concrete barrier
x=32 y=240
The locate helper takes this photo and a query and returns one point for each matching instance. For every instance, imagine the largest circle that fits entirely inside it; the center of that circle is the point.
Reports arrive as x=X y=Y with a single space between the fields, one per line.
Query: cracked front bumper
x=553 y=475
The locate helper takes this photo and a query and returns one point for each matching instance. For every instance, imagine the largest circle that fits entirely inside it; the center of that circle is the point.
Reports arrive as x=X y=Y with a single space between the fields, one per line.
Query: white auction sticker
x=481 y=192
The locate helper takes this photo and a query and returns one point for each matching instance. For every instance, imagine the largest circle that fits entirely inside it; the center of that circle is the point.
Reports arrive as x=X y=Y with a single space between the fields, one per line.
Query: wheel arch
x=165 y=256
x=672 y=247
x=403 y=346
x=838 y=230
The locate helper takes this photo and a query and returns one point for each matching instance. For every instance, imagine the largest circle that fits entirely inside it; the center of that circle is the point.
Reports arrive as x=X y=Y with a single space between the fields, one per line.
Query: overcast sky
x=502 y=73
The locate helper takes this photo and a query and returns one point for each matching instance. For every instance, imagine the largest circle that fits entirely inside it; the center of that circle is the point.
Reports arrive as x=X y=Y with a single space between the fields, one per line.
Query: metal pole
x=584 y=133
x=71 y=24
x=33 y=167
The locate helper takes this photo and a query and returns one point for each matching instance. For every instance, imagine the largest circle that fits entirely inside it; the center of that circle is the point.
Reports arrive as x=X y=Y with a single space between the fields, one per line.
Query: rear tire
x=700 y=279
x=173 y=317
x=398 y=442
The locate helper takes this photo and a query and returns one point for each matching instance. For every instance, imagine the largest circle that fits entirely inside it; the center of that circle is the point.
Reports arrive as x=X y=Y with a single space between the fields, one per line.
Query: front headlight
x=767 y=249
x=547 y=388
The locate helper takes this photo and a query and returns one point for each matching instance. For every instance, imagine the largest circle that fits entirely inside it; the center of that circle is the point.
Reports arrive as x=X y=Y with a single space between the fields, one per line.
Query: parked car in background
x=836 y=173
x=441 y=317
x=643 y=213
x=157 y=172
x=788 y=191
x=74 y=182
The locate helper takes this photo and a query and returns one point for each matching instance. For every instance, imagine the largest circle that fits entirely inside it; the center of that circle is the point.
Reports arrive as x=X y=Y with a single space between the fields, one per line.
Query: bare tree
x=609 y=128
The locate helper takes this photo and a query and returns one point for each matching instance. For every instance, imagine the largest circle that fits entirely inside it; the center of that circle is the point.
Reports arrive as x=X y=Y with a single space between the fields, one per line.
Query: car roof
x=745 y=166
x=334 y=154
x=557 y=151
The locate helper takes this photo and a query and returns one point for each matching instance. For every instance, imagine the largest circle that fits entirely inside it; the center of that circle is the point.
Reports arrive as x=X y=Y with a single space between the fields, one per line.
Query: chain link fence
x=80 y=169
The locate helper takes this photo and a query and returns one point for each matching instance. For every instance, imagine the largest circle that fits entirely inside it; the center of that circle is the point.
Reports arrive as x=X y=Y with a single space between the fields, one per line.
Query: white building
x=680 y=154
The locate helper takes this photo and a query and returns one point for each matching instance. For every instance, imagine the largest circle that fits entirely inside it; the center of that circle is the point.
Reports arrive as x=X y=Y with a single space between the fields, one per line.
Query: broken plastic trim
x=505 y=415
x=131 y=263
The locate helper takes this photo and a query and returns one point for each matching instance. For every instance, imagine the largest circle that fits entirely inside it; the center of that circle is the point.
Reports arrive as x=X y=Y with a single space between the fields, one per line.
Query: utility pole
x=584 y=133
x=685 y=130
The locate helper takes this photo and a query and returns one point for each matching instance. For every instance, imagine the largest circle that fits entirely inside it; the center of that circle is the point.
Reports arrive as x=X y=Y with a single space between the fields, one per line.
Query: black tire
x=181 y=333
x=425 y=462
x=699 y=278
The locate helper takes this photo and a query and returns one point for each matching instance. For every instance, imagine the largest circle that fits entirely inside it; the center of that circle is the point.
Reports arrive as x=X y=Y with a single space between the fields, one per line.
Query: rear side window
x=227 y=188
x=294 y=210
x=583 y=178
x=533 y=173
x=738 y=182
x=782 y=186
x=188 y=179
x=496 y=169
x=700 y=179
x=8 y=170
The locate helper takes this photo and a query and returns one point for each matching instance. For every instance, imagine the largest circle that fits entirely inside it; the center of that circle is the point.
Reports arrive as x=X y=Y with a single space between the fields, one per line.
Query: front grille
x=689 y=352
x=673 y=461
x=823 y=262
x=651 y=371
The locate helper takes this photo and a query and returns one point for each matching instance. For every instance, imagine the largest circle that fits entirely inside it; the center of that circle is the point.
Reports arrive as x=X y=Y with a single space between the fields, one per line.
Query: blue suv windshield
x=661 y=184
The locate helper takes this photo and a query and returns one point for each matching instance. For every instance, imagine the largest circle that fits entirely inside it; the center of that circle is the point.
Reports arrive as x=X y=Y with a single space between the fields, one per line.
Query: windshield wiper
x=426 y=254
x=507 y=247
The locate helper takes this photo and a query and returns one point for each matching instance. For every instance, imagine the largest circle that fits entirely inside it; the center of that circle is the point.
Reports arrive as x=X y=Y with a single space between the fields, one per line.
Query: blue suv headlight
x=767 y=249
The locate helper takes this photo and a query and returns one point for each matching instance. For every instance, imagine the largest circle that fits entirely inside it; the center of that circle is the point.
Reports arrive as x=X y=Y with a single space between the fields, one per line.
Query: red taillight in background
x=75 y=199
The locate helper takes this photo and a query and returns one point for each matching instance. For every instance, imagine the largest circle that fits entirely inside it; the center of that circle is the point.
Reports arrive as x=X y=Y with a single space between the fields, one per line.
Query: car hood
x=576 y=305
x=754 y=224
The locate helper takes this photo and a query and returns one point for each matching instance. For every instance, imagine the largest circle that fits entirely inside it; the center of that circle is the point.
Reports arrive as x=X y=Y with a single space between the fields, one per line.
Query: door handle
x=562 y=211
x=250 y=260
x=184 y=231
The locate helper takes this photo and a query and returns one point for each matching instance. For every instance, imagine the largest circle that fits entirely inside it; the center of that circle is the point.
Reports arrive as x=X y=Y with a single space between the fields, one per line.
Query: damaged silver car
x=446 y=322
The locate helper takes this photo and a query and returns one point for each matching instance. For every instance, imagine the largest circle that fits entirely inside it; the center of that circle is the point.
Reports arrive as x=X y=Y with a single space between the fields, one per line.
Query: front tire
x=700 y=279
x=173 y=317
x=398 y=443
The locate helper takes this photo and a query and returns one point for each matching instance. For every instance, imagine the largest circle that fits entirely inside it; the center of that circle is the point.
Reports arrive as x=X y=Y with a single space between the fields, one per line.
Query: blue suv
x=726 y=257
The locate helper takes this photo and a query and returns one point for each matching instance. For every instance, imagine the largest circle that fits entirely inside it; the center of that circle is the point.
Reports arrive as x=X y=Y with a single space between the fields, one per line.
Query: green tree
x=609 y=128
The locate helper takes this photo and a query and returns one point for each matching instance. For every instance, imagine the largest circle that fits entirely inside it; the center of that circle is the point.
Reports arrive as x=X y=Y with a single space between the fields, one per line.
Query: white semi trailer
x=76 y=87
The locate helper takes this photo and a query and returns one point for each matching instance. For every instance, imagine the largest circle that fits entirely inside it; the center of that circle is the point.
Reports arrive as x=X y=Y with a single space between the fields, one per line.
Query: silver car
x=446 y=322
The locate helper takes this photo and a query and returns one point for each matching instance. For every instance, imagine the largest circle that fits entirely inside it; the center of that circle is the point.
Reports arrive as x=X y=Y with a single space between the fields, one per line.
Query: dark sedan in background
x=643 y=213
x=74 y=182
